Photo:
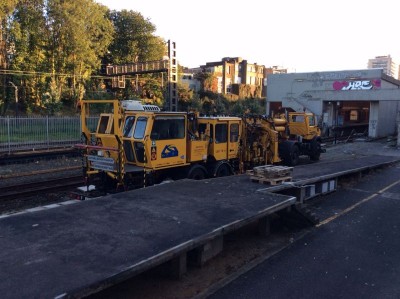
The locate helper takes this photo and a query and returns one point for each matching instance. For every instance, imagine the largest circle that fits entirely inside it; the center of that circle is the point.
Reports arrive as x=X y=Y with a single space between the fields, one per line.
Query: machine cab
x=154 y=139
x=303 y=124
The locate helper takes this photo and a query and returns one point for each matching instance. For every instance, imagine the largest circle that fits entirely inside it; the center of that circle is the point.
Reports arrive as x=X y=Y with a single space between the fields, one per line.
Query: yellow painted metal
x=154 y=140
x=303 y=124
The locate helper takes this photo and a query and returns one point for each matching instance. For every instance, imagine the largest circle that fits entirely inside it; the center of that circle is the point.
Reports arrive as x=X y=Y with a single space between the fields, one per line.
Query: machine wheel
x=315 y=150
x=222 y=169
x=197 y=172
x=290 y=154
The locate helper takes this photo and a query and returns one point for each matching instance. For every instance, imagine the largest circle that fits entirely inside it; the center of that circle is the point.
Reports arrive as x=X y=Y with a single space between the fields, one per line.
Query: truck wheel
x=197 y=172
x=315 y=150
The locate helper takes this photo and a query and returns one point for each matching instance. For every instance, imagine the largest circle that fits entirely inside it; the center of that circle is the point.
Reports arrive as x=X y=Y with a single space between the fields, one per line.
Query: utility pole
x=16 y=97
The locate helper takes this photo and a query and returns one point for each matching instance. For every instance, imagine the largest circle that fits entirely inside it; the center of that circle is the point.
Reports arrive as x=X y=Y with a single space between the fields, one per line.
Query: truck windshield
x=128 y=126
x=140 y=128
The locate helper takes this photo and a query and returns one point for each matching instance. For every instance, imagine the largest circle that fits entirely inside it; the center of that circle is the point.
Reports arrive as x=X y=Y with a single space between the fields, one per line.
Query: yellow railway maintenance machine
x=135 y=145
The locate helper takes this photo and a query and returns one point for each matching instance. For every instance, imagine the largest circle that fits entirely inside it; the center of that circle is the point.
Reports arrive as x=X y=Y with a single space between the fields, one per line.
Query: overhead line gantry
x=169 y=66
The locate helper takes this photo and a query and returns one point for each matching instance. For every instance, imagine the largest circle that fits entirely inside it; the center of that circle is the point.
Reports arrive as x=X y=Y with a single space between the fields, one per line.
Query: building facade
x=187 y=79
x=389 y=66
x=237 y=77
x=360 y=100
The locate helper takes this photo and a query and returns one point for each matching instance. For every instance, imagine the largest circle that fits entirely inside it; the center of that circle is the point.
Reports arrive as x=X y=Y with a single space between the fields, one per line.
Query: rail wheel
x=197 y=172
x=315 y=149
x=223 y=169
x=290 y=153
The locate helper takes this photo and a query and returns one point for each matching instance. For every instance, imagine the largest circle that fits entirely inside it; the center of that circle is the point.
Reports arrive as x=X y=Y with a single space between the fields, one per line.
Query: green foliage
x=134 y=39
x=6 y=7
x=185 y=96
x=80 y=34
x=61 y=45
x=248 y=106
x=195 y=103
x=58 y=46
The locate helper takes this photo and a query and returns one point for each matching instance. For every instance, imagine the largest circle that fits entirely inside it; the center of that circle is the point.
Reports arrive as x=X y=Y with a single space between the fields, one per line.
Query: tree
x=134 y=38
x=28 y=34
x=185 y=96
x=6 y=9
x=209 y=81
x=79 y=35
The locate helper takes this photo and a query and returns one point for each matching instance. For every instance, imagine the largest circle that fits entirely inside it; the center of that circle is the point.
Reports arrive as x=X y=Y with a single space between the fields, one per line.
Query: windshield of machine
x=140 y=128
x=128 y=126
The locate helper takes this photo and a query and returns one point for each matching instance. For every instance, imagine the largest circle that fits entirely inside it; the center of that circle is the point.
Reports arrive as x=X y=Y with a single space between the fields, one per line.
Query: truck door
x=133 y=139
x=221 y=141
x=234 y=136
x=168 y=141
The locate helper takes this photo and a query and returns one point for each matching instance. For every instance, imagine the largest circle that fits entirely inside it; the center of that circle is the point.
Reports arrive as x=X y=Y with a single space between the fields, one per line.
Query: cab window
x=298 y=118
x=311 y=120
x=221 y=133
x=168 y=127
x=105 y=124
x=234 y=132
x=140 y=128
x=128 y=126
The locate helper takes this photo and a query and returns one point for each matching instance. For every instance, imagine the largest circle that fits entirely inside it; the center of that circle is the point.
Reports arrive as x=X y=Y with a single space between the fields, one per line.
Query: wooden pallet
x=271 y=171
x=271 y=181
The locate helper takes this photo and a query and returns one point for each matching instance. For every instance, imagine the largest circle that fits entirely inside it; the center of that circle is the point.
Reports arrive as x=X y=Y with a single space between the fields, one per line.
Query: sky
x=302 y=36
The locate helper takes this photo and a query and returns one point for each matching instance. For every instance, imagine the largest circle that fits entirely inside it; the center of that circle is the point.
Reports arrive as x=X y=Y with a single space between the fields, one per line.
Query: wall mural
x=357 y=85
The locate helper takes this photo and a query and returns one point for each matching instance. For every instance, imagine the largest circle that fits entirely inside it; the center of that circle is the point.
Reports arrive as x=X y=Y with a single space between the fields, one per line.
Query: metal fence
x=38 y=133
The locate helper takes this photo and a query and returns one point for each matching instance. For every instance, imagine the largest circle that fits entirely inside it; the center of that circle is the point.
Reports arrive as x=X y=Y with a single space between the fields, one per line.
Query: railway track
x=20 y=191
x=39 y=172
x=29 y=156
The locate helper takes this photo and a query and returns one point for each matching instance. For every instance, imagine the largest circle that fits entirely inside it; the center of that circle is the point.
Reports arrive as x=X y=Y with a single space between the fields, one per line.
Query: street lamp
x=16 y=97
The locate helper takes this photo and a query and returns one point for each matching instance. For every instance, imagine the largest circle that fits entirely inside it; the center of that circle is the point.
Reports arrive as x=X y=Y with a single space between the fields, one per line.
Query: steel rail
x=19 y=191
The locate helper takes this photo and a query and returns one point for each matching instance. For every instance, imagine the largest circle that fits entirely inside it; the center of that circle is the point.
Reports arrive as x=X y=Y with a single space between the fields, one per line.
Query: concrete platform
x=324 y=171
x=76 y=250
x=327 y=169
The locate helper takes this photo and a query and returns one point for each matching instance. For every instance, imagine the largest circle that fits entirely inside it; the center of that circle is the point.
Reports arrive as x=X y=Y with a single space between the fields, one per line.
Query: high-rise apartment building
x=389 y=66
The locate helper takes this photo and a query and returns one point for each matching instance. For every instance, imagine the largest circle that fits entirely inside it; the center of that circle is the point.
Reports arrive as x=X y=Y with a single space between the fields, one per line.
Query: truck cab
x=303 y=124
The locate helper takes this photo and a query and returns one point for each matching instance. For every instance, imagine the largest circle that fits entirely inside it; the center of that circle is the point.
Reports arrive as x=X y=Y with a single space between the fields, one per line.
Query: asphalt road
x=353 y=253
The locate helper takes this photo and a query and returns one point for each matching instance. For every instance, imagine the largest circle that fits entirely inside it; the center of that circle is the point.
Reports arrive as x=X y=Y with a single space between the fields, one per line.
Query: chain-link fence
x=38 y=133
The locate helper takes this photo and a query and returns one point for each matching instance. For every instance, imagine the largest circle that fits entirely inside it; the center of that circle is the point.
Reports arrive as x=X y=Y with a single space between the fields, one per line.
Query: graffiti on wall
x=357 y=85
